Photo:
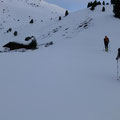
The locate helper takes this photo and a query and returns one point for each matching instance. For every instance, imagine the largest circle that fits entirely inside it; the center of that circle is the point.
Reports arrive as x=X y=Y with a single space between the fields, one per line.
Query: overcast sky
x=72 y=5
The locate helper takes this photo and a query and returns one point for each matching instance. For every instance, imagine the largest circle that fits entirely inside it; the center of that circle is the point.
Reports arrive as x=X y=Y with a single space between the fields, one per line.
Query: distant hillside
x=19 y=12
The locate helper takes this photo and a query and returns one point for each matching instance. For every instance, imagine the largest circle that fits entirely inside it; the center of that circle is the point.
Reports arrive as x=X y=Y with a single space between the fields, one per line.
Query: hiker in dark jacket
x=106 y=42
x=118 y=55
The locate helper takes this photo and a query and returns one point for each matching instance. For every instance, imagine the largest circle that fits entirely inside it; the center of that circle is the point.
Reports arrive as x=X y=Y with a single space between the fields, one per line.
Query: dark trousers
x=106 y=45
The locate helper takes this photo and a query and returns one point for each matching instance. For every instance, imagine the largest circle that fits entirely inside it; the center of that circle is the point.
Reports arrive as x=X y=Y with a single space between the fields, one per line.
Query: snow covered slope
x=74 y=79
x=18 y=13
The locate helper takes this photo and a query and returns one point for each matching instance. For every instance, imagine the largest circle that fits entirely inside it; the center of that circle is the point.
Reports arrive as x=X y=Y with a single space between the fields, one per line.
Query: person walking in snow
x=118 y=55
x=106 y=42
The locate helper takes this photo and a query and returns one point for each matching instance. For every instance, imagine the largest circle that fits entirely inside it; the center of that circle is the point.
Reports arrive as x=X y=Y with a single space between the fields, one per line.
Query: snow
x=73 y=79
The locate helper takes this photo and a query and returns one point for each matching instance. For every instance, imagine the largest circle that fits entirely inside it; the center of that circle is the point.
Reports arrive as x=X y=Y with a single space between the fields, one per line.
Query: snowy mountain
x=73 y=79
x=17 y=14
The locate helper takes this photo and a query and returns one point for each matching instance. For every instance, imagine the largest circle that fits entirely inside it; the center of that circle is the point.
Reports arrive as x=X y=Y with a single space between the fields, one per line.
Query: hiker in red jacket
x=106 y=42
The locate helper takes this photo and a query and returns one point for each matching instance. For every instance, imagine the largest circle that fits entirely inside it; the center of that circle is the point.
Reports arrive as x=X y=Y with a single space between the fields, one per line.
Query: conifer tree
x=15 y=33
x=98 y=3
x=31 y=21
x=66 y=13
x=103 y=9
x=59 y=17
x=113 y=1
x=103 y=3
x=116 y=8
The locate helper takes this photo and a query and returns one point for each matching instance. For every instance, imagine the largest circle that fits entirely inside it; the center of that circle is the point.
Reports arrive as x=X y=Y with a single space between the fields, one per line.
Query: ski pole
x=109 y=47
x=103 y=47
x=117 y=71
